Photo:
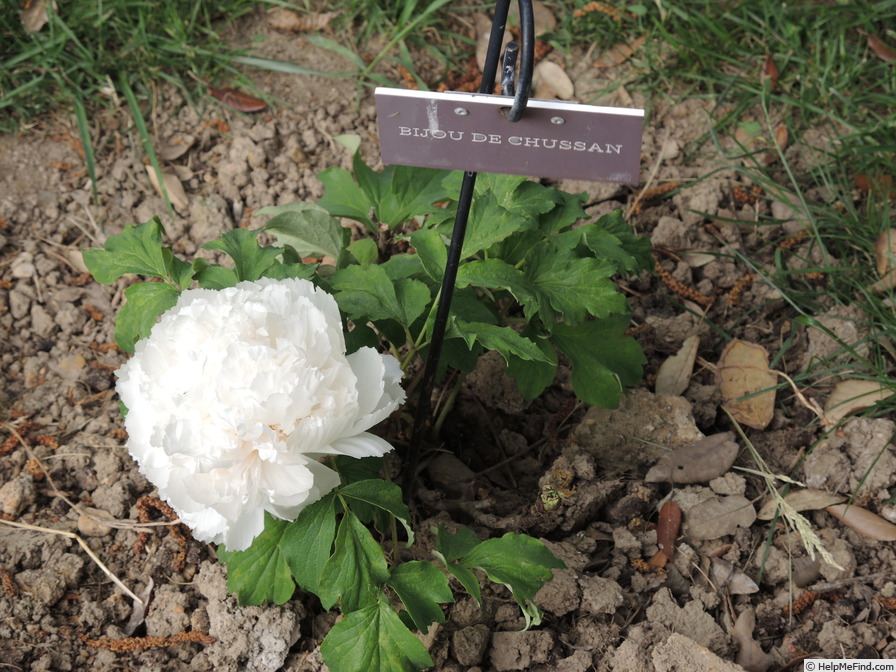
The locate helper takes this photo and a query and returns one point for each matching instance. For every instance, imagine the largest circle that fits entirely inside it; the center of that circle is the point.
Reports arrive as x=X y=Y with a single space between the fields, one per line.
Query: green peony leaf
x=635 y=252
x=308 y=541
x=213 y=276
x=307 y=228
x=281 y=271
x=384 y=495
x=520 y=562
x=250 y=260
x=368 y=292
x=604 y=360
x=144 y=303
x=495 y=274
x=364 y=250
x=373 y=638
x=505 y=340
x=343 y=198
x=450 y=547
x=533 y=377
x=422 y=588
x=407 y=192
x=137 y=249
x=432 y=251
x=261 y=572
x=572 y=286
x=355 y=570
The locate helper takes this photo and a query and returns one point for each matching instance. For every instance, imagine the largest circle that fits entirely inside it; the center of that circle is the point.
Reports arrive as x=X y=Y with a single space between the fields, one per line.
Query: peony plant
x=253 y=385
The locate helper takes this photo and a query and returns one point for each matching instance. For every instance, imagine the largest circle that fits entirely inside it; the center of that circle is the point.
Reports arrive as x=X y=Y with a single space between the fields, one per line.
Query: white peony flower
x=236 y=392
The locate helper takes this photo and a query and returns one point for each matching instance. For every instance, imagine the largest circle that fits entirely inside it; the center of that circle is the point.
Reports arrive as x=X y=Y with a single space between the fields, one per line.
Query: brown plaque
x=467 y=131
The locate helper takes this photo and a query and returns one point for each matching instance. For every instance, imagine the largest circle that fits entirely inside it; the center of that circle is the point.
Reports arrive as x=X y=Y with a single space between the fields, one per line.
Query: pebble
x=16 y=495
x=22 y=266
x=90 y=522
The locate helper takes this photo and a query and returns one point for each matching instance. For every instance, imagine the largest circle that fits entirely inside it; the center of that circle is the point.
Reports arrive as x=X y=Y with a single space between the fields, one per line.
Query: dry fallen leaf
x=883 y=50
x=549 y=80
x=175 y=189
x=719 y=516
x=175 y=146
x=667 y=527
x=743 y=372
x=770 y=72
x=287 y=19
x=674 y=375
x=801 y=500
x=750 y=655
x=700 y=462
x=619 y=53
x=863 y=521
x=733 y=579
x=885 y=261
x=34 y=15
x=850 y=396
x=238 y=100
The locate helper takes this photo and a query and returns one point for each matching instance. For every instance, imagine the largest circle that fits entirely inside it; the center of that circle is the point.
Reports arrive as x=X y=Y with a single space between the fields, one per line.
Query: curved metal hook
x=527 y=59
x=519 y=88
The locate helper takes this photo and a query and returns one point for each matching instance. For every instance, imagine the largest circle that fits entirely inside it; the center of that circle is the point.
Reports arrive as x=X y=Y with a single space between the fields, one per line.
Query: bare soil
x=571 y=475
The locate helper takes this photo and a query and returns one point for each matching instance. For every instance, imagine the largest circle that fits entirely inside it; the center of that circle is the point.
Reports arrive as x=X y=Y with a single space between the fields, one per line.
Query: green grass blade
x=86 y=142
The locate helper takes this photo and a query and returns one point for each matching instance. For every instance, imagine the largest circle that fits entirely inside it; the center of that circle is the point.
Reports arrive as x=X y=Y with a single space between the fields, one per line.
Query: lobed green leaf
x=384 y=495
x=250 y=260
x=261 y=573
x=144 y=302
x=309 y=542
x=373 y=638
x=137 y=249
x=422 y=588
x=520 y=562
x=307 y=228
x=356 y=569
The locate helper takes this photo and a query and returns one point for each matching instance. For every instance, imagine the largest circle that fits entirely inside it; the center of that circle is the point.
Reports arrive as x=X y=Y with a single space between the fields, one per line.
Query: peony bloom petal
x=235 y=392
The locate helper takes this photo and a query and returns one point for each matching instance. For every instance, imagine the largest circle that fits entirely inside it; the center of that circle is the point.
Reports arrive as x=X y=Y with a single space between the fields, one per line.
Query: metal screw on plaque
x=520 y=91
x=558 y=120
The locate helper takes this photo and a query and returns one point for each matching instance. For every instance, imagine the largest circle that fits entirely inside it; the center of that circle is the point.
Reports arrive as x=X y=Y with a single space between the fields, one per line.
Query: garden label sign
x=469 y=131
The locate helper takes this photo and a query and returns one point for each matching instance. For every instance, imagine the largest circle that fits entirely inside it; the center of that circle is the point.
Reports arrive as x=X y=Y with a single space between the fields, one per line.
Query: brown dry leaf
x=175 y=189
x=34 y=15
x=864 y=522
x=885 y=251
x=719 y=516
x=700 y=462
x=850 y=396
x=674 y=375
x=667 y=526
x=880 y=184
x=176 y=146
x=733 y=579
x=770 y=72
x=238 y=100
x=883 y=50
x=619 y=53
x=287 y=19
x=750 y=655
x=549 y=80
x=743 y=371
x=801 y=500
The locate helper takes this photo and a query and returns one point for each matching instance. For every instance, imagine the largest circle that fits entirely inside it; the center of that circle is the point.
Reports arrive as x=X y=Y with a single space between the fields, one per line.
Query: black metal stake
x=465 y=202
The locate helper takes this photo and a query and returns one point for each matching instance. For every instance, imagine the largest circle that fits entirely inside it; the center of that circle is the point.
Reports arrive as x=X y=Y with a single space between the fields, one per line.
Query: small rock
x=599 y=595
x=90 y=522
x=468 y=645
x=47 y=587
x=680 y=654
x=22 y=266
x=520 y=650
x=560 y=595
x=17 y=495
